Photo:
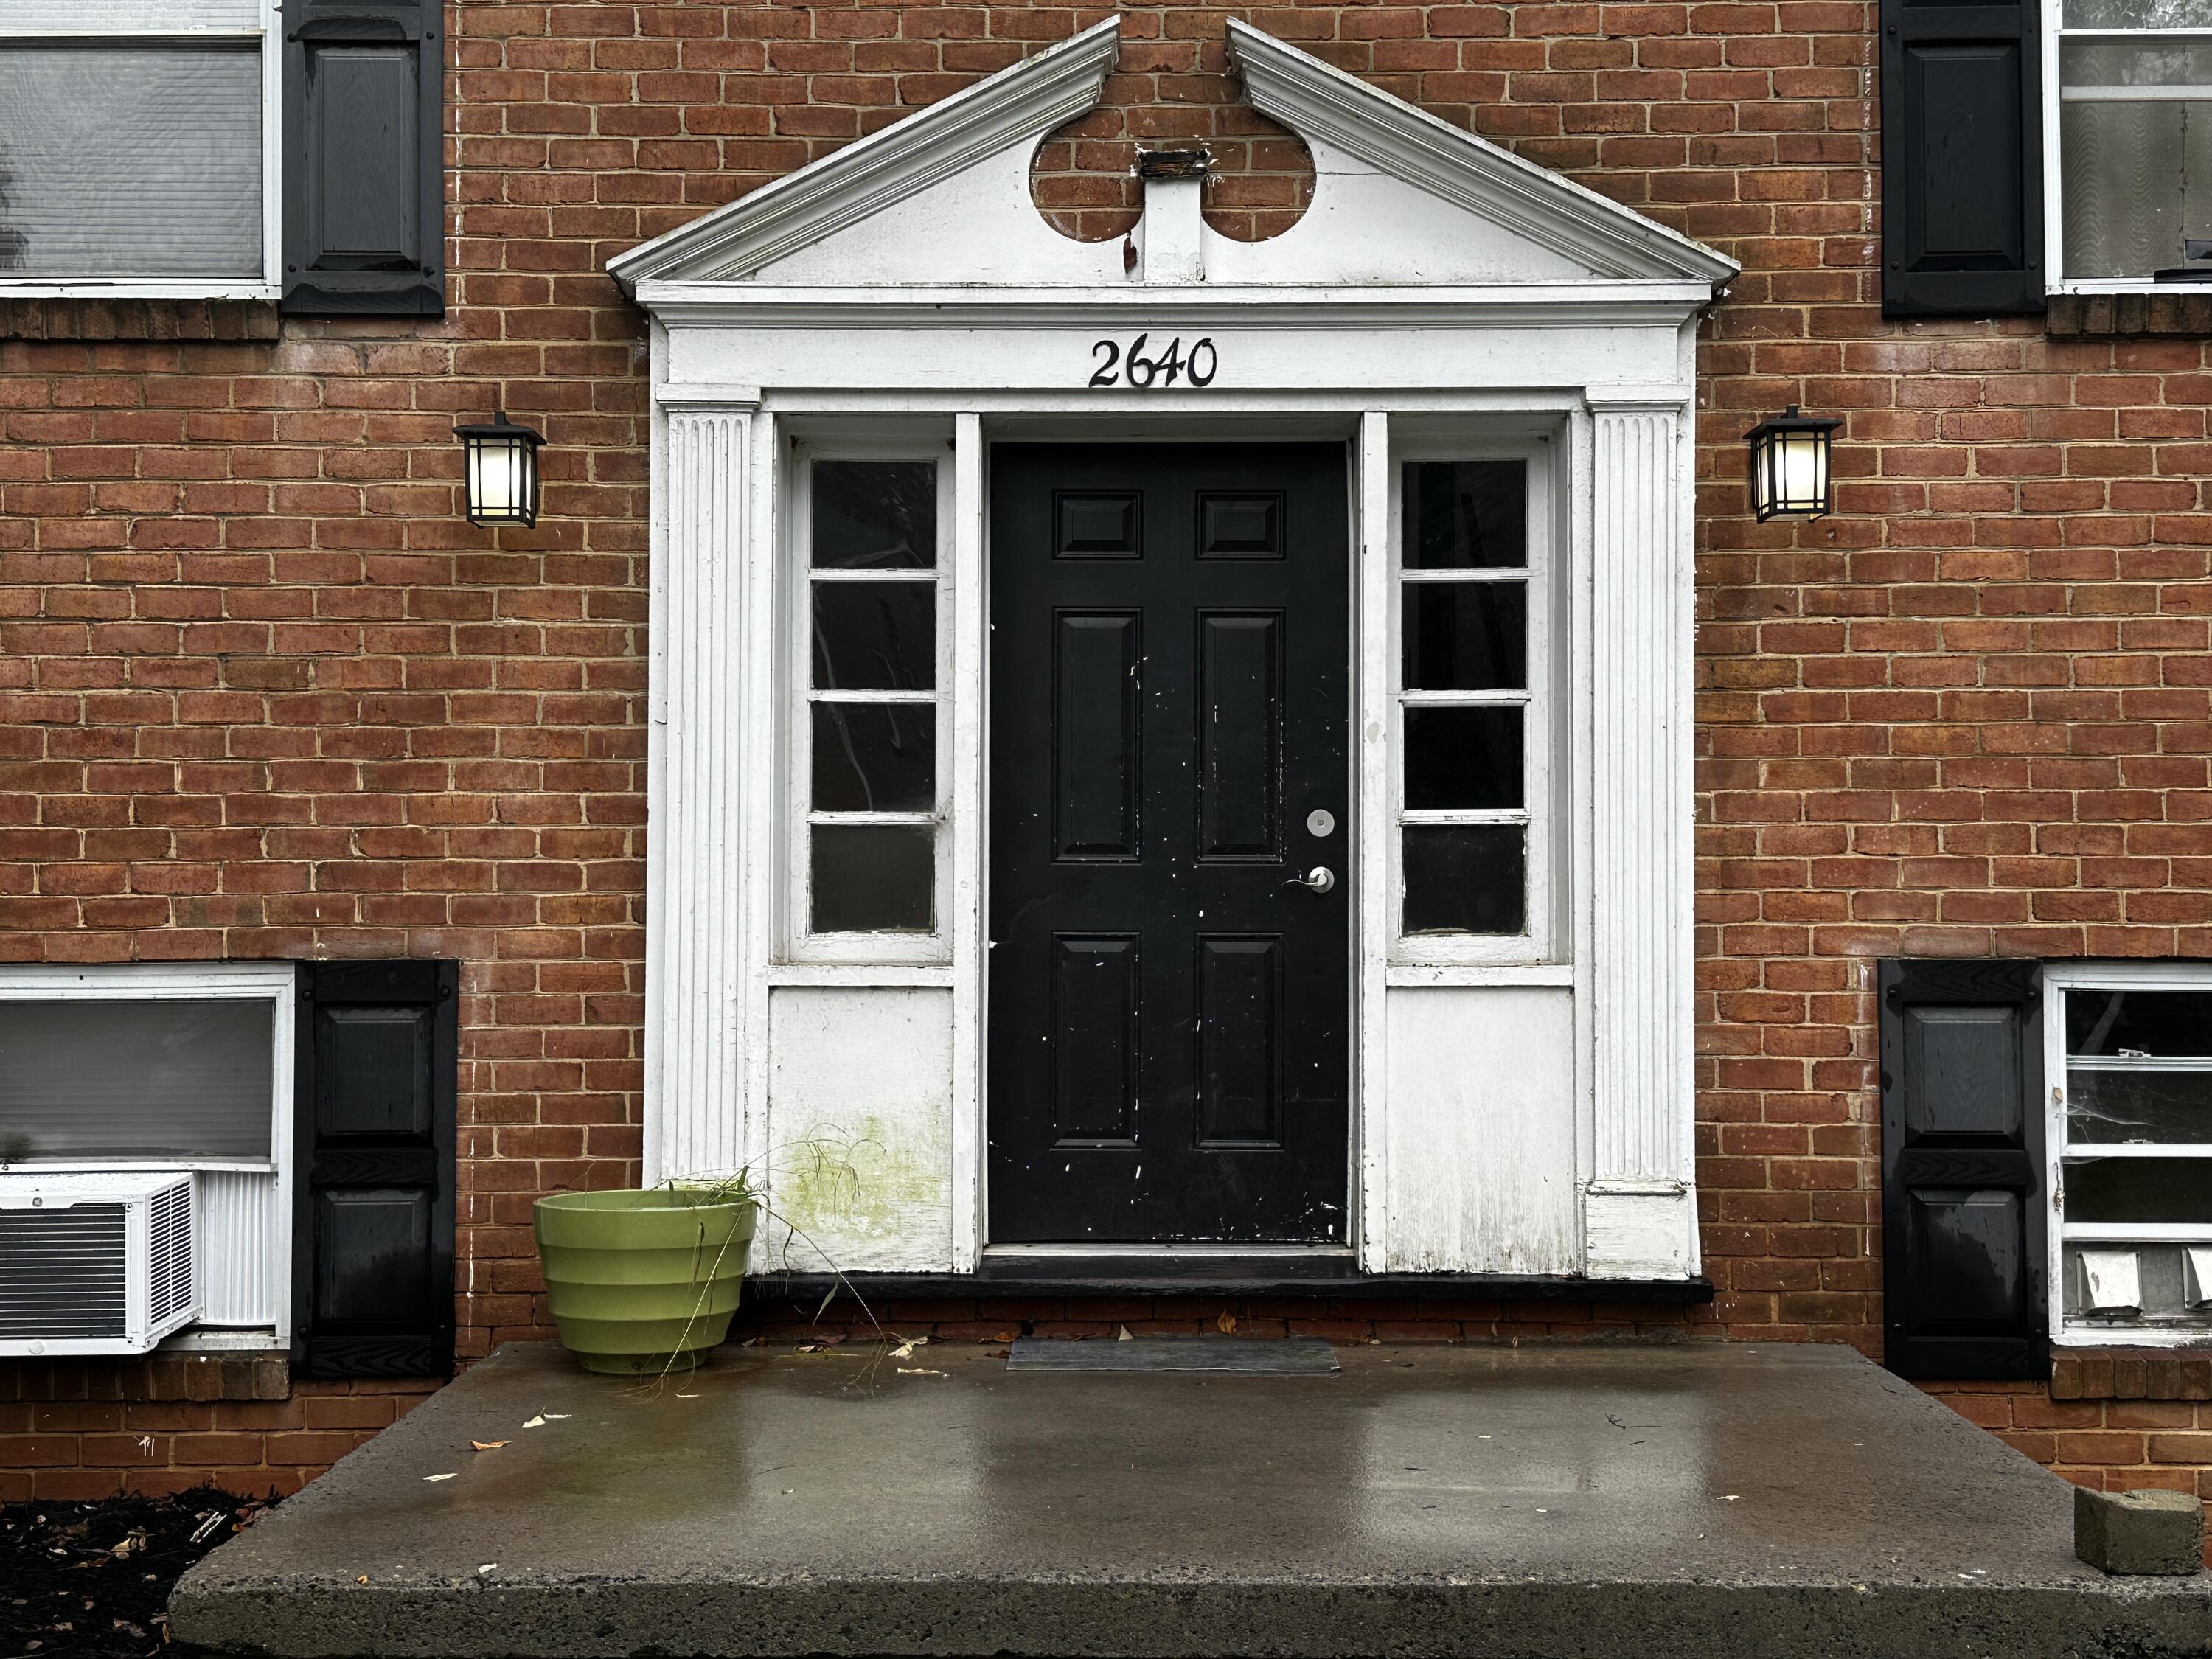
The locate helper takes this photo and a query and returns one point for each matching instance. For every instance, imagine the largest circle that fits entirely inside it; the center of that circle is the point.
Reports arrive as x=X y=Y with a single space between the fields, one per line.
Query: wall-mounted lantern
x=502 y=471
x=1790 y=466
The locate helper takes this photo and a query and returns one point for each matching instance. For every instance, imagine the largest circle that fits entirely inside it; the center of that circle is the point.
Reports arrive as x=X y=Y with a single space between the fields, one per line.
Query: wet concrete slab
x=1786 y=1500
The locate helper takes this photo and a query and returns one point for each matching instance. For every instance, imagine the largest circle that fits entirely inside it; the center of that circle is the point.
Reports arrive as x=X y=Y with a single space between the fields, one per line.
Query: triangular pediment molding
x=941 y=199
x=1321 y=103
x=1016 y=105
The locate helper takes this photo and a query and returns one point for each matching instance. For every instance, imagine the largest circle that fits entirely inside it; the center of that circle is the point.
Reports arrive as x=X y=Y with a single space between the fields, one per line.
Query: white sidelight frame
x=799 y=942
x=1440 y=298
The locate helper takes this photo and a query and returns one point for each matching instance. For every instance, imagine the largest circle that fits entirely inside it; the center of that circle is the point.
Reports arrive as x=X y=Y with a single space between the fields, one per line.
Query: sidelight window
x=1471 y=656
x=872 y=773
x=2128 y=1053
x=2133 y=140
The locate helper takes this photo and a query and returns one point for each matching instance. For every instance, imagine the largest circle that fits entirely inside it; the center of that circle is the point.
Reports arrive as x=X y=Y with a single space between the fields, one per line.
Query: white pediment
x=942 y=199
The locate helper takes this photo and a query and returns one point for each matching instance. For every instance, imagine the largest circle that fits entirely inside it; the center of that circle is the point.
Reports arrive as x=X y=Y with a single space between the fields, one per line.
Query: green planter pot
x=642 y=1282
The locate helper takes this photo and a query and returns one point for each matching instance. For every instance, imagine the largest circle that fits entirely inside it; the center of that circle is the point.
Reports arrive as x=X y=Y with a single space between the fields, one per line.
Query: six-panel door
x=1168 y=1008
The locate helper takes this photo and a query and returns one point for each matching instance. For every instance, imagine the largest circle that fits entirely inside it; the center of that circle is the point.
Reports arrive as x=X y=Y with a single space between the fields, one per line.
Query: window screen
x=184 y=1079
x=133 y=160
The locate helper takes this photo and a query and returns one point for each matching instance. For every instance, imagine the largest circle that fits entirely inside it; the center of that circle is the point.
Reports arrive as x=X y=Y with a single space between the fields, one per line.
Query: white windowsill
x=203 y=1339
x=119 y=290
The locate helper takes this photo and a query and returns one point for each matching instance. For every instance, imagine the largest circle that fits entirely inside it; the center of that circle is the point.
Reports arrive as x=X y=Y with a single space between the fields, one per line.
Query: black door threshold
x=1321 y=1276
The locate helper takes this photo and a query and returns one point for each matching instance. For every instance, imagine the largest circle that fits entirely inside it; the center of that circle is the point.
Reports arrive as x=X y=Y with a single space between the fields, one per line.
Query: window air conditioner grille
x=169 y=1252
x=62 y=1272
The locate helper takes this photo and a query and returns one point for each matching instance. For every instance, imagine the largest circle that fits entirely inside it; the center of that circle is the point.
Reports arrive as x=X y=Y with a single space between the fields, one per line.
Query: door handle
x=1319 y=879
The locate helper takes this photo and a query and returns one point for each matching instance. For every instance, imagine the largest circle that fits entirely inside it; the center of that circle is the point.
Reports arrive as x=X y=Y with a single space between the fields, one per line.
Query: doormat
x=1282 y=1356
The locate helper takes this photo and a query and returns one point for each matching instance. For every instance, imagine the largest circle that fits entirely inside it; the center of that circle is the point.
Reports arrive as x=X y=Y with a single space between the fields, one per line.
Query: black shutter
x=373 y=1246
x=1962 y=1189
x=1962 y=159
x=364 y=159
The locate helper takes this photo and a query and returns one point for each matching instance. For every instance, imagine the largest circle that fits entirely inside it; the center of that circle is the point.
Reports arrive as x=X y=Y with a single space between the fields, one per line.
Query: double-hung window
x=2129 y=1060
x=138 y=151
x=872 y=772
x=2128 y=147
x=1472 y=632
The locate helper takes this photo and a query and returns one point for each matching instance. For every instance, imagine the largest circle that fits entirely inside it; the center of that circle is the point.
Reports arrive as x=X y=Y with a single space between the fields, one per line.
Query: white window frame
x=1541 y=700
x=2053 y=32
x=801 y=943
x=270 y=38
x=2059 y=979
x=273 y=983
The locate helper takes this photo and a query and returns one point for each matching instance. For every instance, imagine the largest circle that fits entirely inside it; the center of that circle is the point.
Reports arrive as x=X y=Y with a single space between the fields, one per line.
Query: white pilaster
x=695 y=1094
x=1640 y=1205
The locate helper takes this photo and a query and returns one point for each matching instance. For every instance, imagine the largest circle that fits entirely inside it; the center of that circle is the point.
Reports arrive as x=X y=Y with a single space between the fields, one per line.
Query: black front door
x=1169 y=1007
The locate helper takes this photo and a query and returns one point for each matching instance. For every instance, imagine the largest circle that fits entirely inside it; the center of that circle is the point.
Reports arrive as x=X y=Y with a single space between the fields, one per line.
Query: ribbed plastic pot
x=642 y=1282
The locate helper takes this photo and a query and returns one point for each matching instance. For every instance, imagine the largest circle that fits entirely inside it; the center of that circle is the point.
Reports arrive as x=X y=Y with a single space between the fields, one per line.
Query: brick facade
x=264 y=693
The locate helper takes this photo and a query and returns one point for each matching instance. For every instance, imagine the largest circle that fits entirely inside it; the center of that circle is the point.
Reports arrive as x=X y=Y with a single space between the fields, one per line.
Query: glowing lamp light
x=502 y=471
x=1790 y=466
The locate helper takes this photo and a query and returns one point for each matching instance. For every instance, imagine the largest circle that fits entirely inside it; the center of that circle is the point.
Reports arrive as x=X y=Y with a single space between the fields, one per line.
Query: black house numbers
x=1130 y=365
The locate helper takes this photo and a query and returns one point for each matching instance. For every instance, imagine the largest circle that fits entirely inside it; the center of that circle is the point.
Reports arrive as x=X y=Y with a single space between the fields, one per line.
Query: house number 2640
x=1162 y=369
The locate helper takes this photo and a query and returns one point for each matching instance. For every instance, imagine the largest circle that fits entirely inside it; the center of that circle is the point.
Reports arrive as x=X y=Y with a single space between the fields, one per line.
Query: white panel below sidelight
x=1479 y=1164
x=859 y=1130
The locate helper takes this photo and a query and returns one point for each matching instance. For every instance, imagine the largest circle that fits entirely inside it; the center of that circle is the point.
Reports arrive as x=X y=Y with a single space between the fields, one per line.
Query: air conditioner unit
x=94 y=1261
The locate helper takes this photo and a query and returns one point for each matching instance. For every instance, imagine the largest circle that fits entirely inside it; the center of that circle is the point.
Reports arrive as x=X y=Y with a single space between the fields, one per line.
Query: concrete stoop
x=1553 y=1502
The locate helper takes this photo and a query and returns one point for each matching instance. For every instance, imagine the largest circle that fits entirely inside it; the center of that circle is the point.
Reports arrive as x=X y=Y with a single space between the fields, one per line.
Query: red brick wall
x=263 y=693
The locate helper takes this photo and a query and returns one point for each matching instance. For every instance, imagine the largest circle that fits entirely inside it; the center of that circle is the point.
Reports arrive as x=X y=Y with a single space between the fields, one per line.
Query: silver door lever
x=1319 y=879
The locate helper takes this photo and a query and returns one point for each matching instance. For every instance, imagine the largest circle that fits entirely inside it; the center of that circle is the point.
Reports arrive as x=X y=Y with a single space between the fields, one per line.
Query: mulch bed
x=89 y=1581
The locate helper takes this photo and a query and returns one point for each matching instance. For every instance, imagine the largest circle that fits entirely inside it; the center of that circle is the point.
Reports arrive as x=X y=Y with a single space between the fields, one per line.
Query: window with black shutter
x=1963 y=1222
x=1961 y=154
x=378 y=1056
x=364 y=198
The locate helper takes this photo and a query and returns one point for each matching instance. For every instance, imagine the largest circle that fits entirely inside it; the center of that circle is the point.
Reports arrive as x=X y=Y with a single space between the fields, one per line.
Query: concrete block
x=2139 y=1532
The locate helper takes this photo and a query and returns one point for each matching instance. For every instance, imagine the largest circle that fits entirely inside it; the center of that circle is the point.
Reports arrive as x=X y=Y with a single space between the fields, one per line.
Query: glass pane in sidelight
x=1466 y=636
x=2169 y=1024
x=2140 y=1106
x=1463 y=759
x=1466 y=515
x=873 y=877
x=875 y=757
x=2133 y=1190
x=136 y=1079
x=1469 y=878
x=875 y=515
x=875 y=636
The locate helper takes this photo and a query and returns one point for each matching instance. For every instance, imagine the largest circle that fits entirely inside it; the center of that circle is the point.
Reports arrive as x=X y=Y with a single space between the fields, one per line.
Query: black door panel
x=1169 y=1012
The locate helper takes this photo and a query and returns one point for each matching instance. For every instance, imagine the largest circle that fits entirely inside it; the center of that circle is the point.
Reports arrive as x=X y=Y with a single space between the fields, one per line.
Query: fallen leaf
x=811 y=1347
x=1122 y=1335
x=905 y=1349
x=535 y=1423
x=437 y=1477
x=487 y=1446
x=1227 y=1322
x=999 y=1353
x=1003 y=1336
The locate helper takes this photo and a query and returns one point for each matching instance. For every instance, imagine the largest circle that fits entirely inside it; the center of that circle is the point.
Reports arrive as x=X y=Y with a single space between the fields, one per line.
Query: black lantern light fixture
x=1790 y=466
x=502 y=471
